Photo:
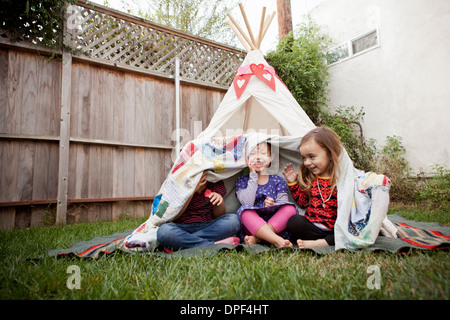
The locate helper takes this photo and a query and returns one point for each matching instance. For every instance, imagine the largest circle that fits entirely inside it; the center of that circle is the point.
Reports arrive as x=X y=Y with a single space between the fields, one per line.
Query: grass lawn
x=273 y=275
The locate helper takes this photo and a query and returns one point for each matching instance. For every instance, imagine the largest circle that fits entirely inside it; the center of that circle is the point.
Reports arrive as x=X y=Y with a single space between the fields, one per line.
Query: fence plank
x=107 y=172
x=94 y=186
x=25 y=170
x=48 y=112
x=107 y=118
x=14 y=100
x=23 y=217
x=141 y=173
x=115 y=112
x=165 y=109
x=38 y=216
x=128 y=172
x=129 y=106
x=40 y=186
x=87 y=92
x=119 y=104
x=117 y=172
x=9 y=186
x=29 y=95
x=3 y=87
x=7 y=218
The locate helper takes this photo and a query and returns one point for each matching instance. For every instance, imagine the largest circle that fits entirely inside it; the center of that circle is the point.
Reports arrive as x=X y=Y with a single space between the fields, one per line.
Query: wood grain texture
x=118 y=118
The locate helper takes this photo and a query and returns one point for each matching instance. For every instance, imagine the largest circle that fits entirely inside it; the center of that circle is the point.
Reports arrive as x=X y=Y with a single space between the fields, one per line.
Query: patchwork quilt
x=222 y=157
x=363 y=198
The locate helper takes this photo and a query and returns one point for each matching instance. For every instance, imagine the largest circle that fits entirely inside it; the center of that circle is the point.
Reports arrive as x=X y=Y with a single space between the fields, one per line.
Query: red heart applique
x=261 y=72
x=257 y=68
x=240 y=82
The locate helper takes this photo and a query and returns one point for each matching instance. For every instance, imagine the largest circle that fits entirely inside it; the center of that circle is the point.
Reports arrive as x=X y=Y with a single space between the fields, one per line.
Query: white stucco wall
x=404 y=83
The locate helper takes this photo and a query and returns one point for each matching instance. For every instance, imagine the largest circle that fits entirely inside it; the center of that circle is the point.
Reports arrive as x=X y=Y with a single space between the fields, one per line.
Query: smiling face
x=315 y=158
x=260 y=157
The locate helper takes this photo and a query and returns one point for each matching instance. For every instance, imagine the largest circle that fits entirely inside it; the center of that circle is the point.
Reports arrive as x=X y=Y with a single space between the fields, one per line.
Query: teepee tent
x=257 y=107
x=258 y=100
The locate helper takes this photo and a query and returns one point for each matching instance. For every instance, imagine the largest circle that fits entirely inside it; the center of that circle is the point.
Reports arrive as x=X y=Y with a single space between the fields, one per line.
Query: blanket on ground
x=412 y=235
x=363 y=198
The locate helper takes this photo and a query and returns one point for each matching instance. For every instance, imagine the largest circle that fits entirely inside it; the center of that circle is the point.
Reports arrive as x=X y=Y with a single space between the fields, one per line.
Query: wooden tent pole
x=261 y=27
x=236 y=32
x=242 y=32
x=247 y=24
x=267 y=24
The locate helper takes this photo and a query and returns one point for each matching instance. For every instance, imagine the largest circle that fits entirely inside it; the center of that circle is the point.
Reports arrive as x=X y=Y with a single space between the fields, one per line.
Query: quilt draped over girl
x=363 y=198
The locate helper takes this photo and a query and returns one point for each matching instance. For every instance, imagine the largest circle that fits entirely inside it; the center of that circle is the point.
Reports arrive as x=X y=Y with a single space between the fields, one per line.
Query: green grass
x=285 y=274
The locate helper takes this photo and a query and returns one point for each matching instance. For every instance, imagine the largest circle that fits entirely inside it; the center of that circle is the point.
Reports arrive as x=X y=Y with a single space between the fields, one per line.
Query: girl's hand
x=289 y=173
x=250 y=166
x=269 y=202
x=215 y=198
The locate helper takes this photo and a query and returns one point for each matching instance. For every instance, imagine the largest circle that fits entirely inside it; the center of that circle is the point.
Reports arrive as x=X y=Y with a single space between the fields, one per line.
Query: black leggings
x=302 y=228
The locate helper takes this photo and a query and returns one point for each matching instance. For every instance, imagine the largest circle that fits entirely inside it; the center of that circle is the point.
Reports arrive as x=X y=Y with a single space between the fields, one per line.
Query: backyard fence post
x=64 y=133
x=64 y=139
x=177 y=107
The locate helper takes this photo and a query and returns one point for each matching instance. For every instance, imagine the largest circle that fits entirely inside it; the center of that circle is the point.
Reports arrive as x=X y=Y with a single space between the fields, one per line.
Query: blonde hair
x=330 y=141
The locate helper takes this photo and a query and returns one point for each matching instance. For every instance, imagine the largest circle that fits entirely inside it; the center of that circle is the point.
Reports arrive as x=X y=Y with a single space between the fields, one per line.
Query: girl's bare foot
x=283 y=243
x=304 y=244
x=249 y=240
x=230 y=240
x=280 y=243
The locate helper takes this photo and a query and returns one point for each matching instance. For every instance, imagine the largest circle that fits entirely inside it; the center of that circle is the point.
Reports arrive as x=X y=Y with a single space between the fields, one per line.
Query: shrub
x=362 y=151
x=391 y=161
x=37 y=21
x=300 y=61
x=435 y=191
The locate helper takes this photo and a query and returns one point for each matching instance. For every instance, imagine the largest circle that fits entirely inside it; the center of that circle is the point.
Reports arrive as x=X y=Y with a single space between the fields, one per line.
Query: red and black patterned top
x=315 y=212
x=200 y=209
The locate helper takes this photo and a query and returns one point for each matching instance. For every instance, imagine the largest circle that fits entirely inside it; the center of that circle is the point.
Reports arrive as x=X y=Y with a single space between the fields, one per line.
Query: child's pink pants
x=252 y=222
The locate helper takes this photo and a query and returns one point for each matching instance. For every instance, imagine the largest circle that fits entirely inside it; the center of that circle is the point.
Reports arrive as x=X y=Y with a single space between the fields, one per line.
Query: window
x=338 y=53
x=354 y=47
x=365 y=42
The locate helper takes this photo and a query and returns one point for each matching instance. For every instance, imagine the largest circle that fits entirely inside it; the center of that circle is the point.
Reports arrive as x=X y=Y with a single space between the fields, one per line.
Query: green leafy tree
x=203 y=18
x=37 y=21
x=300 y=60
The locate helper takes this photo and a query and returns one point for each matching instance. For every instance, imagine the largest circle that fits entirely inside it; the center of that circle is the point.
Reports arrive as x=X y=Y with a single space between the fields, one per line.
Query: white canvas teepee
x=257 y=107
x=258 y=100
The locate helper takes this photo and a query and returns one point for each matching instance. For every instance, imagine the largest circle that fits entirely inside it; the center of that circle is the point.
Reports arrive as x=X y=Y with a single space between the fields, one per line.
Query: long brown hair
x=330 y=141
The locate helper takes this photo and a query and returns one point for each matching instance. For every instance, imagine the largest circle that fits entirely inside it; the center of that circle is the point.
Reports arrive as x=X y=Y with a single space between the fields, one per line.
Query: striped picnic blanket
x=424 y=238
x=94 y=248
x=411 y=235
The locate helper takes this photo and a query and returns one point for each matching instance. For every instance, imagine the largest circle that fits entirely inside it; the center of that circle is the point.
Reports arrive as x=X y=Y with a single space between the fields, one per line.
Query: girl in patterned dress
x=265 y=208
x=314 y=188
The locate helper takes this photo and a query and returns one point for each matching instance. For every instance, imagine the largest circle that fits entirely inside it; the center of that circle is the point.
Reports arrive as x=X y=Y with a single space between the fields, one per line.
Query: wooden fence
x=89 y=137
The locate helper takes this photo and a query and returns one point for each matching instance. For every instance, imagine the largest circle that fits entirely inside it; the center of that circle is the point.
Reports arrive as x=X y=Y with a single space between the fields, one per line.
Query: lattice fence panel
x=123 y=41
